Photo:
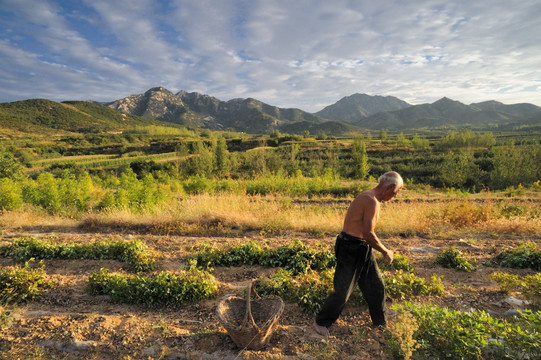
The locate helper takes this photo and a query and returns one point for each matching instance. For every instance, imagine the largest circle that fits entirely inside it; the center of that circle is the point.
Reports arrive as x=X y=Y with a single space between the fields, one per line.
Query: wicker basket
x=250 y=323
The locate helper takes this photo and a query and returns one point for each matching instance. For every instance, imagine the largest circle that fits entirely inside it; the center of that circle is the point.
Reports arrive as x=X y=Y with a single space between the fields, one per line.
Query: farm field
x=120 y=246
x=68 y=323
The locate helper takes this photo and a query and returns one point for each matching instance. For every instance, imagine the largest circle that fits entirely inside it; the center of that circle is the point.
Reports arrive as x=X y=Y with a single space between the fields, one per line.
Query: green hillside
x=44 y=117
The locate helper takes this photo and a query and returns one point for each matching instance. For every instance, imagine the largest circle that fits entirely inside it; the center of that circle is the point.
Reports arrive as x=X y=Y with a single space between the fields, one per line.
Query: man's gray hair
x=392 y=177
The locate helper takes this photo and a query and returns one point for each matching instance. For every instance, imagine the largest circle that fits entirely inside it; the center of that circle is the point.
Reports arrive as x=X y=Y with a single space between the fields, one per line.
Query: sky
x=287 y=53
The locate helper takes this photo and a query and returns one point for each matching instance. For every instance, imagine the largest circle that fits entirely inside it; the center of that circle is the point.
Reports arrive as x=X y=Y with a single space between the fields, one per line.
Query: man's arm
x=369 y=225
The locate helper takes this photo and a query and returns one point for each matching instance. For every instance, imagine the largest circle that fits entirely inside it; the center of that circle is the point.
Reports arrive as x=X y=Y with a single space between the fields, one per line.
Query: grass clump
x=453 y=259
x=188 y=285
x=295 y=257
x=529 y=285
x=19 y=284
x=527 y=255
x=135 y=253
x=451 y=334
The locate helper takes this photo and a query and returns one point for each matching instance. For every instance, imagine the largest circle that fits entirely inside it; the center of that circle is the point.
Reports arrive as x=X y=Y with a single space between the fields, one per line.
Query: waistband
x=348 y=237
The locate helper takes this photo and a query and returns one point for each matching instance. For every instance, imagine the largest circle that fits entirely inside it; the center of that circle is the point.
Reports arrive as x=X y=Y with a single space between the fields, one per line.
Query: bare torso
x=364 y=205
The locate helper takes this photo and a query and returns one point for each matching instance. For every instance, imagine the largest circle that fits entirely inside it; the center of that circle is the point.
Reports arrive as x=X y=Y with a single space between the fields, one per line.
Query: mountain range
x=349 y=115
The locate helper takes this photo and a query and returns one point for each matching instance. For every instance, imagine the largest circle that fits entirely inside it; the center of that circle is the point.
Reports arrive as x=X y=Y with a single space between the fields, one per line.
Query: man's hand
x=388 y=256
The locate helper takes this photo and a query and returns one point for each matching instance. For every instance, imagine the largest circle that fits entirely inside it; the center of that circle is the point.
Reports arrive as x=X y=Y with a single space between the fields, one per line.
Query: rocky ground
x=67 y=323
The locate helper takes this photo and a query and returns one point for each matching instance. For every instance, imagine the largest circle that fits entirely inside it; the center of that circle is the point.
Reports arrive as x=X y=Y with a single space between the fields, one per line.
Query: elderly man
x=355 y=262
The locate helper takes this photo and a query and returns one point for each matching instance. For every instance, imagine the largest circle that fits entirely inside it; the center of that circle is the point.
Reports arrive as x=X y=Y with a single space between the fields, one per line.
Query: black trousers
x=355 y=263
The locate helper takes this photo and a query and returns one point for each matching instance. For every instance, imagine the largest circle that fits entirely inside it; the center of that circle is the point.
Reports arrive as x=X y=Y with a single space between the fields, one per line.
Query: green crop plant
x=135 y=252
x=19 y=284
x=187 y=285
x=454 y=259
x=527 y=255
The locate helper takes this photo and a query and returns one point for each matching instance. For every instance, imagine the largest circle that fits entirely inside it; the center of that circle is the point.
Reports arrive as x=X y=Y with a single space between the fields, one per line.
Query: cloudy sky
x=288 y=53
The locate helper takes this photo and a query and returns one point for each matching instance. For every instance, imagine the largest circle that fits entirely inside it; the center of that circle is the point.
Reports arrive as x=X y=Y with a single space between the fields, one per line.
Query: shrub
x=187 y=285
x=22 y=284
x=453 y=258
x=465 y=213
x=10 y=194
x=527 y=255
x=135 y=252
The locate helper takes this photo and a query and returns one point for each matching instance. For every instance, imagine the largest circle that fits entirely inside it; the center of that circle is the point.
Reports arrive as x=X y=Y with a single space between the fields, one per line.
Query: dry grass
x=233 y=214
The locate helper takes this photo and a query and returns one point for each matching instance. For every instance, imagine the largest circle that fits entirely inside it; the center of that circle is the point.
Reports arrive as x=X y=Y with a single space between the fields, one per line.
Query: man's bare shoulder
x=367 y=197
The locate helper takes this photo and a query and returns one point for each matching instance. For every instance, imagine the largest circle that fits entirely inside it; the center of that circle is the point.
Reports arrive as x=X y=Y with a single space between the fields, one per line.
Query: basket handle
x=248 y=315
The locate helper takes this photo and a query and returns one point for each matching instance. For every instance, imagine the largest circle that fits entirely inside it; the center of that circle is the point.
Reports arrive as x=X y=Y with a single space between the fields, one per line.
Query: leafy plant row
x=135 y=252
x=189 y=284
x=295 y=257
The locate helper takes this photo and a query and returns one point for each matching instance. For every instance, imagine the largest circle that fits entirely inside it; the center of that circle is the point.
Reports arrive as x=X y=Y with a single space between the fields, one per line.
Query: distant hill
x=244 y=115
x=352 y=108
x=47 y=117
x=447 y=113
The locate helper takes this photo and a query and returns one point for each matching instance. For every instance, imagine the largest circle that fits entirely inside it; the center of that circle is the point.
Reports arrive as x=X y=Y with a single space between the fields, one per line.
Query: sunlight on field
x=205 y=214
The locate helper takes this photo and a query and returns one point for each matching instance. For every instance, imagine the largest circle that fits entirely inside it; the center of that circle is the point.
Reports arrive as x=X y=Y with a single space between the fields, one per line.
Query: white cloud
x=305 y=54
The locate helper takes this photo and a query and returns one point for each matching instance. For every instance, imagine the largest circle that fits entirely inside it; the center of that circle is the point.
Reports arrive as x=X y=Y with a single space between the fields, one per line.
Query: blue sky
x=303 y=54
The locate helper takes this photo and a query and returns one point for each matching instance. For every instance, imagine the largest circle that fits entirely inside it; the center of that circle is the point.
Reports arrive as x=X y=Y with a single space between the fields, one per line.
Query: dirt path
x=67 y=323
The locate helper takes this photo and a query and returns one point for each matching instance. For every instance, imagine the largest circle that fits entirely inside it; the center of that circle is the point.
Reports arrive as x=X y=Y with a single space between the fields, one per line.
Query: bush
x=11 y=194
x=135 y=252
x=453 y=258
x=465 y=213
x=22 y=284
x=527 y=255
x=187 y=285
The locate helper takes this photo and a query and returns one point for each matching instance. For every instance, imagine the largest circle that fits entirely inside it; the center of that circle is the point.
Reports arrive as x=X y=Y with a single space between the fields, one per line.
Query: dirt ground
x=67 y=323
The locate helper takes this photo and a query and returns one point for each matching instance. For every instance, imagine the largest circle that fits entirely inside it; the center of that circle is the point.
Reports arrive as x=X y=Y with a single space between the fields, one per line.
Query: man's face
x=391 y=193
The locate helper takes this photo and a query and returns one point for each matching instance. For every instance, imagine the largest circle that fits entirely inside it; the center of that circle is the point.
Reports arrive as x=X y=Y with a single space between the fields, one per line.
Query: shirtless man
x=355 y=262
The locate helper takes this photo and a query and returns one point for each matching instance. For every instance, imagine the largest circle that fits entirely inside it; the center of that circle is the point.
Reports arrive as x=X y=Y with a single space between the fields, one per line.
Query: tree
x=459 y=170
x=9 y=167
x=221 y=158
x=359 y=158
